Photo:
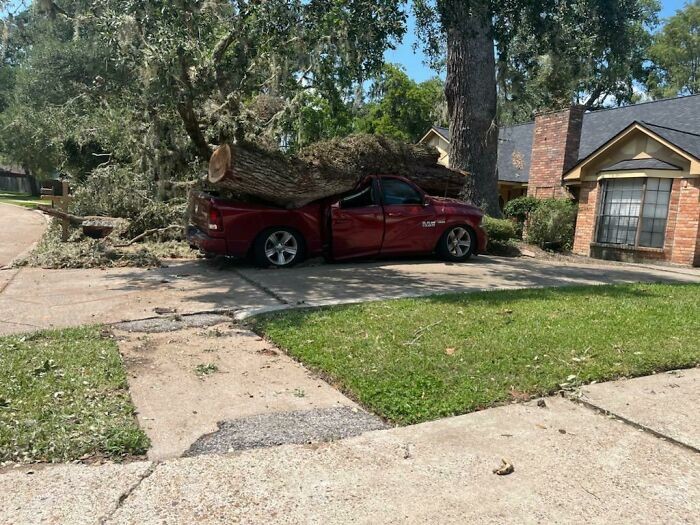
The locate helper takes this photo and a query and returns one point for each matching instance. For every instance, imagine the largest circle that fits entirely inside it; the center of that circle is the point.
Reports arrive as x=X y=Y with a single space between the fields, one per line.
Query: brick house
x=635 y=172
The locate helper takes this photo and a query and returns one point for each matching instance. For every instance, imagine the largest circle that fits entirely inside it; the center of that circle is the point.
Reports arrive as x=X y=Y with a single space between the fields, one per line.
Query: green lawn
x=19 y=199
x=63 y=396
x=412 y=360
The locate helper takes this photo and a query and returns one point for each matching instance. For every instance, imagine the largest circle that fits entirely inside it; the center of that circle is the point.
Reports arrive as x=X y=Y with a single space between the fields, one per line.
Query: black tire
x=457 y=244
x=280 y=247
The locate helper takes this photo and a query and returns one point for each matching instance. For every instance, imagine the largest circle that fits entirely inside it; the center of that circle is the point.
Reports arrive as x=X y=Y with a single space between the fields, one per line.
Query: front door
x=410 y=226
x=357 y=224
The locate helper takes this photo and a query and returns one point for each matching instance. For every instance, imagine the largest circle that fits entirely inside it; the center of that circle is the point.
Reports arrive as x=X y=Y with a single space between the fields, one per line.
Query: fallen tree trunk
x=93 y=226
x=328 y=168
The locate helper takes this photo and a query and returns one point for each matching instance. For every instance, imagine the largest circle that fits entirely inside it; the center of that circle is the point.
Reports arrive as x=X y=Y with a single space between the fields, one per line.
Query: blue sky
x=413 y=62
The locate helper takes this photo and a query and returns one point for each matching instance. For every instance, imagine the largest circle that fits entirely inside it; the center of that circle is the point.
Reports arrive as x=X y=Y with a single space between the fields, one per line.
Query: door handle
x=394 y=214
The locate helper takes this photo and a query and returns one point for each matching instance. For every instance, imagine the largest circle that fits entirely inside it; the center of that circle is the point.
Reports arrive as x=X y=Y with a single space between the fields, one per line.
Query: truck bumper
x=203 y=242
x=482 y=240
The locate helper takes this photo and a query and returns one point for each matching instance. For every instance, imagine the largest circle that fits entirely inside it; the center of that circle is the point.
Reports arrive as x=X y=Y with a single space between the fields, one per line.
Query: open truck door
x=357 y=223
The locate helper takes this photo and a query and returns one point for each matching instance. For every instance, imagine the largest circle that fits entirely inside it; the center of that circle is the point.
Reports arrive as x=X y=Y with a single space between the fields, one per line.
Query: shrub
x=520 y=208
x=551 y=224
x=499 y=230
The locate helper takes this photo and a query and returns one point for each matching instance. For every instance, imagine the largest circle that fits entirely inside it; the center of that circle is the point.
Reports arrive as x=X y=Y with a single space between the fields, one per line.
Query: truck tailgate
x=198 y=209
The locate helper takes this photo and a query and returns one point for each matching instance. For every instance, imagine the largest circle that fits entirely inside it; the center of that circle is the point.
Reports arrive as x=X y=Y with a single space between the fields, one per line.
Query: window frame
x=421 y=195
x=600 y=213
x=374 y=191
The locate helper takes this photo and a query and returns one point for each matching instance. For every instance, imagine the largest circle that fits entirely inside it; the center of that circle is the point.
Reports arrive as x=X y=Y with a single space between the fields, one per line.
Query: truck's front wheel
x=281 y=247
x=457 y=244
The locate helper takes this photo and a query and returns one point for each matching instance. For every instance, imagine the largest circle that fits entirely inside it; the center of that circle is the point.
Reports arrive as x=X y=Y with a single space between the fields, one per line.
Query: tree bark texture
x=470 y=90
x=328 y=168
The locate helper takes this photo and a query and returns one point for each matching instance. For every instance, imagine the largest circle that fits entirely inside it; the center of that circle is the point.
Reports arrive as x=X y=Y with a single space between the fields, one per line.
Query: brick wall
x=555 y=146
x=585 y=223
x=686 y=235
x=682 y=241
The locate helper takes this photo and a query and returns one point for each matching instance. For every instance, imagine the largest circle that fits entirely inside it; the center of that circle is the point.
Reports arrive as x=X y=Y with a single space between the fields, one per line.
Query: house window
x=634 y=212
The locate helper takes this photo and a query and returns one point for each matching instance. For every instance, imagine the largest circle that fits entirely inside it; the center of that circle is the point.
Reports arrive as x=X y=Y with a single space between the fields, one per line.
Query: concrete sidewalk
x=38 y=298
x=572 y=464
x=21 y=229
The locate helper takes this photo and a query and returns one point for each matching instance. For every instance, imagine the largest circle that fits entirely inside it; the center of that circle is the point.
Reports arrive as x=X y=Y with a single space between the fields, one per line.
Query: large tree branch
x=185 y=108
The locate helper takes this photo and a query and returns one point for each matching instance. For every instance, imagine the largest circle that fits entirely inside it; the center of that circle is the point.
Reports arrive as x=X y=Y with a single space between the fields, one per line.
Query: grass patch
x=413 y=360
x=207 y=369
x=64 y=396
x=19 y=199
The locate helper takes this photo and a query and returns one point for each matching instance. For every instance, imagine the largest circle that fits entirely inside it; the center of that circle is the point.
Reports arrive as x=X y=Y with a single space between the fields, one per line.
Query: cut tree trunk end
x=327 y=169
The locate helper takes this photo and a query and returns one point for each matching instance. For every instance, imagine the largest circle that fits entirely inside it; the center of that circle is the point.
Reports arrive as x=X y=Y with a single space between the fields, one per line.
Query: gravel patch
x=297 y=427
x=172 y=323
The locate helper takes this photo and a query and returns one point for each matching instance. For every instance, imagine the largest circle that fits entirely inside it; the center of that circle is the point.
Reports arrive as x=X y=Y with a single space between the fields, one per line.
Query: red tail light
x=216 y=219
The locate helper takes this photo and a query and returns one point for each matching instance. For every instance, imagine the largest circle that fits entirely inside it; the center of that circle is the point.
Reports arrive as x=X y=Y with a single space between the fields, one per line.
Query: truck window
x=396 y=191
x=363 y=197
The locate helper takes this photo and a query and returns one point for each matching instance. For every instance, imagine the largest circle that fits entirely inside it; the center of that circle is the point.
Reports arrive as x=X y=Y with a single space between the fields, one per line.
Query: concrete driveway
x=36 y=298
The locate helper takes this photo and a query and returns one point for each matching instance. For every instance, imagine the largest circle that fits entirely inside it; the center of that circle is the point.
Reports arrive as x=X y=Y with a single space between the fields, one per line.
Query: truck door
x=410 y=226
x=357 y=223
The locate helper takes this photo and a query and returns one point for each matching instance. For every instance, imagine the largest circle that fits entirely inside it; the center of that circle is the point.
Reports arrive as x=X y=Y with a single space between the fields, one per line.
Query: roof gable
x=575 y=173
x=682 y=113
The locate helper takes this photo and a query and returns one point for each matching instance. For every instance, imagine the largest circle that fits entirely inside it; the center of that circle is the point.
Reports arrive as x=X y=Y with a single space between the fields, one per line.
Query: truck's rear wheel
x=281 y=247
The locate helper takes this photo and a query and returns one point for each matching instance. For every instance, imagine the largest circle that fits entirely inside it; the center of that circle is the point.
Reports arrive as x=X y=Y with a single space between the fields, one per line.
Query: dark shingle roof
x=641 y=164
x=686 y=140
x=445 y=132
x=682 y=113
x=676 y=120
x=514 y=149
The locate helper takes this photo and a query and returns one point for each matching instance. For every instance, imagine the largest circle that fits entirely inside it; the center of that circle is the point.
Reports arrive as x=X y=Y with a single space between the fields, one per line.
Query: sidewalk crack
x=633 y=424
x=128 y=492
x=261 y=287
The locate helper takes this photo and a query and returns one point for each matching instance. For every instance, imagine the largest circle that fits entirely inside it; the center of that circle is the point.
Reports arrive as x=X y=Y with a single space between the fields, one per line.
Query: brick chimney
x=555 y=146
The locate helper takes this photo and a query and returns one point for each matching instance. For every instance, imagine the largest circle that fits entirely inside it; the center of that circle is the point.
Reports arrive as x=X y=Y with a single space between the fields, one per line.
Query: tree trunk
x=328 y=168
x=471 y=100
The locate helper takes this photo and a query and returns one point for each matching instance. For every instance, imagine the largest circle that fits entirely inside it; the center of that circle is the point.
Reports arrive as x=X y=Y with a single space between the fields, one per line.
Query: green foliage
x=551 y=224
x=481 y=349
x=520 y=208
x=63 y=396
x=499 y=230
x=140 y=91
x=550 y=55
x=402 y=108
x=675 y=55
x=83 y=252
x=590 y=53
x=119 y=192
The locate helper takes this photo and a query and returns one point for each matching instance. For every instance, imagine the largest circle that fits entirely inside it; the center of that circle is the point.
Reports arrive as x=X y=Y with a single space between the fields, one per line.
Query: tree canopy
x=401 y=108
x=153 y=84
x=675 y=55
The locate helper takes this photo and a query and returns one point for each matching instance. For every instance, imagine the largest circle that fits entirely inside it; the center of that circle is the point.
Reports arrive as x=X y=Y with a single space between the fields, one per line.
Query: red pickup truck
x=384 y=215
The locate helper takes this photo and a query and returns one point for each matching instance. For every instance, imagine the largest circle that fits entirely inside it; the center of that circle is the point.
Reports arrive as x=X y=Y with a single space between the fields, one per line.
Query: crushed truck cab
x=383 y=216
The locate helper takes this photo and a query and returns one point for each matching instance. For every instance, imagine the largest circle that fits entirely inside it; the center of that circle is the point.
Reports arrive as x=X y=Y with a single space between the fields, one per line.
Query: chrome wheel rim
x=459 y=242
x=281 y=248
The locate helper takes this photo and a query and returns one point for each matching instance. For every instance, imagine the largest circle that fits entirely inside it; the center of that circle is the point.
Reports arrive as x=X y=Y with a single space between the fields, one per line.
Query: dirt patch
x=177 y=403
